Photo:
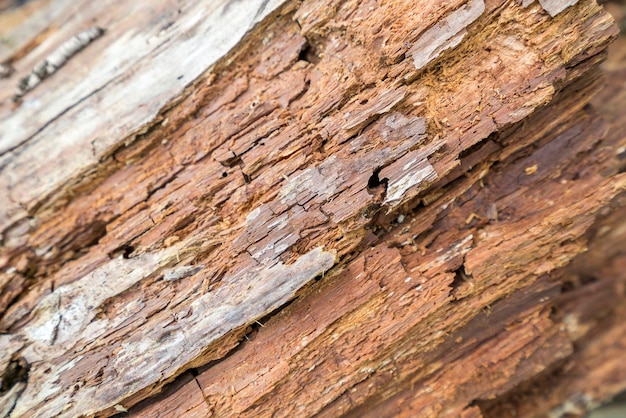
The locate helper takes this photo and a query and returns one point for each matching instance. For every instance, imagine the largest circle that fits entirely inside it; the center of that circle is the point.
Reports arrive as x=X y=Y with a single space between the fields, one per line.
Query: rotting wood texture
x=424 y=160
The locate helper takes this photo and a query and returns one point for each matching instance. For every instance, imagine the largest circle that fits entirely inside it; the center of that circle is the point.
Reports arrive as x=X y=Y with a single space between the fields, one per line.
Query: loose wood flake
x=554 y=7
x=445 y=34
x=181 y=272
x=67 y=316
x=57 y=59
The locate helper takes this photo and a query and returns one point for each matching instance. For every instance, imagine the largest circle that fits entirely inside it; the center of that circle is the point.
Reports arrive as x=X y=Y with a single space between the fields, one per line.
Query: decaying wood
x=57 y=59
x=434 y=165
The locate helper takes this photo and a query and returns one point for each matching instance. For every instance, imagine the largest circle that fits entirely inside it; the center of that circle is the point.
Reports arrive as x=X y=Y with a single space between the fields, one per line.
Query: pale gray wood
x=108 y=92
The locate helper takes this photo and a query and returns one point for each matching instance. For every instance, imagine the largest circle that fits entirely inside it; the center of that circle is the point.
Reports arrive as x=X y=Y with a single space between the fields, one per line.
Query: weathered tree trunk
x=292 y=208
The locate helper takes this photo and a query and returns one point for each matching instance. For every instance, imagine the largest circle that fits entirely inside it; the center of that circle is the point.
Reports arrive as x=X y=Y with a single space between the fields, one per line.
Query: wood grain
x=421 y=161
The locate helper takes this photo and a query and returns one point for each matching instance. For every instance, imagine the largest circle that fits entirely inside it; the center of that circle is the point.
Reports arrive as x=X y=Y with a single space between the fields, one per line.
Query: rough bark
x=425 y=182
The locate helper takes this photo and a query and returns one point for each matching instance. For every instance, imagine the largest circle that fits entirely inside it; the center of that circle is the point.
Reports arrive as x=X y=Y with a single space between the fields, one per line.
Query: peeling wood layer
x=447 y=33
x=554 y=7
x=92 y=93
x=400 y=161
x=57 y=59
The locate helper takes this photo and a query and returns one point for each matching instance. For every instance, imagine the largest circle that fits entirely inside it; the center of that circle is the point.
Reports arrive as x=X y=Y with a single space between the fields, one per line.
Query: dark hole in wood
x=375 y=182
x=554 y=312
x=125 y=250
x=459 y=278
x=309 y=54
x=16 y=371
x=568 y=286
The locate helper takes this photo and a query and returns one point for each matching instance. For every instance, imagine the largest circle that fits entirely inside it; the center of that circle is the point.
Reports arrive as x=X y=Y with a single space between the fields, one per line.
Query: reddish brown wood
x=437 y=169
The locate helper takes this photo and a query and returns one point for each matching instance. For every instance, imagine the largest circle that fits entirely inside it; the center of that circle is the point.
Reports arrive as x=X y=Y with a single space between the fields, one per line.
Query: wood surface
x=281 y=209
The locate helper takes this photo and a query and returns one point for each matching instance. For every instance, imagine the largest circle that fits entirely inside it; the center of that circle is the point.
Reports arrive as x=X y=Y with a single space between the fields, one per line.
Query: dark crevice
x=15 y=372
x=460 y=283
x=125 y=251
x=375 y=182
x=309 y=54
x=376 y=187
x=459 y=278
x=494 y=136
